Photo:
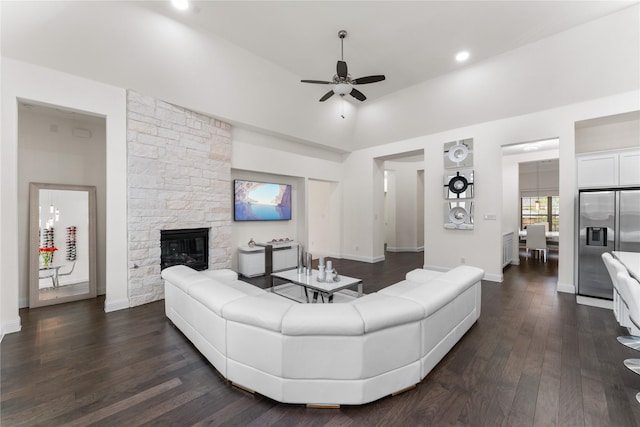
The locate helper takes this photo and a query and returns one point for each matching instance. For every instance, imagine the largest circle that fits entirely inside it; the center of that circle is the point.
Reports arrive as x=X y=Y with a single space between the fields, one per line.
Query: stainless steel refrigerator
x=609 y=221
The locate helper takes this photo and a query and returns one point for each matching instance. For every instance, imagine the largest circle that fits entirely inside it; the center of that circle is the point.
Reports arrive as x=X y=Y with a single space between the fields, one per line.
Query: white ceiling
x=408 y=41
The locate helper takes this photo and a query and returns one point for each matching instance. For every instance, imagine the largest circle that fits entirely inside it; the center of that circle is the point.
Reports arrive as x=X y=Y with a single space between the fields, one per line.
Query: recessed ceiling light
x=462 y=56
x=180 y=4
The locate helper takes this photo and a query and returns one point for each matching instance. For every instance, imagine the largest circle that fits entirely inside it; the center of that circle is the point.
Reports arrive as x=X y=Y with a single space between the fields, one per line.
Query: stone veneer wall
x=179 y=173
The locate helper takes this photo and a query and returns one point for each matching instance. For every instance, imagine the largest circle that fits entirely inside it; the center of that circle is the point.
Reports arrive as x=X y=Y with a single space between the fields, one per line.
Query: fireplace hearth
x=188 y=247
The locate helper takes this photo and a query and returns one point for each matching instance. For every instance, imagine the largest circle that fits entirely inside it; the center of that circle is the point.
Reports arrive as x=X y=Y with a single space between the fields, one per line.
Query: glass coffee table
x=311 y=283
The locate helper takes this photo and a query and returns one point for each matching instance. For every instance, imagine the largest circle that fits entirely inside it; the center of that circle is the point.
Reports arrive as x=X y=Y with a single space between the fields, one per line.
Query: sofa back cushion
x=323 y=319
x=264 y=311
x=384 y=311
x=182 y=276
x=215 y=295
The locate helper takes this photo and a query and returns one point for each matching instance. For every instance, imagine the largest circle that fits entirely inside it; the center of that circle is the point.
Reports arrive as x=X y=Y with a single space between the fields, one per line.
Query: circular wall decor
x=458 y=215
x=458 y=153
x=458 y=184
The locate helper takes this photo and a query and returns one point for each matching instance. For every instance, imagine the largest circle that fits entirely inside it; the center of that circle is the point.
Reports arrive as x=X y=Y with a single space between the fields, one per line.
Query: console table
x=252 y=261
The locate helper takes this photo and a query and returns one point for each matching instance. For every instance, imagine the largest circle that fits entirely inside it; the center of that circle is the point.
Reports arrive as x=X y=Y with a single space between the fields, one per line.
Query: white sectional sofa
x=323 y=354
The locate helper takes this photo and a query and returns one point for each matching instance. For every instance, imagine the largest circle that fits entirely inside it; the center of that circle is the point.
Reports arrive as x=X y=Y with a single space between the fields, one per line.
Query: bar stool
x=631 y=294
x=629 y=289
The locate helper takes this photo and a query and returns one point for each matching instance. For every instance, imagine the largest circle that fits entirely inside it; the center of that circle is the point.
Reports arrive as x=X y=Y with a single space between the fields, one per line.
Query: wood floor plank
x=534 y=357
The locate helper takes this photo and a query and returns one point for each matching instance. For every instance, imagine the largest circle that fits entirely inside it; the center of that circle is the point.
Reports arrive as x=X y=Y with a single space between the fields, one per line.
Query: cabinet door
x=598 y=171
x=630 y=168
x=285 y=259
x=251 y=264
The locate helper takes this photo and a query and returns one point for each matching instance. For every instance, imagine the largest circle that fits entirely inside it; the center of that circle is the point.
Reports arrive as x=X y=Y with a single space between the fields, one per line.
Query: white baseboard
x=370 y=260
x=493 y=277
x=116 y=305
x=489 y=277
x=403 y=249
x=566 y=288
x=594 y=302
x=325 y=254
x=10 y=327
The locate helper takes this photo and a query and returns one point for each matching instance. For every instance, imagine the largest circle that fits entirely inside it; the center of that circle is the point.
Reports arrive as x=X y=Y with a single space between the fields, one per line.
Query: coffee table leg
x=359 y=289
x=306 y=294
x=315 y=296
x=330 y=298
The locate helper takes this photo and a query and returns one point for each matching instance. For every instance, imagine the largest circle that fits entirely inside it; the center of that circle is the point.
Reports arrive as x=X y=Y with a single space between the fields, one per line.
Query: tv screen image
x=261 y=201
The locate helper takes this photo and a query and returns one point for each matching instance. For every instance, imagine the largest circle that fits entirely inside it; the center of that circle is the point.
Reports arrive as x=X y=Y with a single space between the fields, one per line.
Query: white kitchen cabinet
x=630 y=168
x=609 y=169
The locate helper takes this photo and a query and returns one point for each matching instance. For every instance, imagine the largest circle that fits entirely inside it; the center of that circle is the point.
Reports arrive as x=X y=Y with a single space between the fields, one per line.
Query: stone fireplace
x=178 y=177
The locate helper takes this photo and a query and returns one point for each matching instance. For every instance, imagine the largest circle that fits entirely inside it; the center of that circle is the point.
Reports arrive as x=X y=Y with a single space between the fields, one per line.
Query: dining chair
x=536 y=240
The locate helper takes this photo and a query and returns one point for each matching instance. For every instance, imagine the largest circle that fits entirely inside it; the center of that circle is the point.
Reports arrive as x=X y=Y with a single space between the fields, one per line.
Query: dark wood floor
x=535 y=357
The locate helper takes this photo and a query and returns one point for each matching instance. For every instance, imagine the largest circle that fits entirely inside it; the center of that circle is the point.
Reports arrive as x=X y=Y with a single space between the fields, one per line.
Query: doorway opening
x=403 y=199
x=530 y=177
x=57 y=145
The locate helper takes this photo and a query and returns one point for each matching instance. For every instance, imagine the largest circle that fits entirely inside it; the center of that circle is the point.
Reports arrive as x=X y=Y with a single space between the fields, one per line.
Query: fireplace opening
x=188 y=247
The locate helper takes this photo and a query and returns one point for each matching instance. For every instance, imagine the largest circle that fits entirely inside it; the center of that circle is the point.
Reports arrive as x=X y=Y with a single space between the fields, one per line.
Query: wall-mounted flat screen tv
x=261 y=201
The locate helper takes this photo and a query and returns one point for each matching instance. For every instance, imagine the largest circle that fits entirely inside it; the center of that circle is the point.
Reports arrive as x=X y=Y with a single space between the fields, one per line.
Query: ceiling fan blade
x=326 y=96
x=320 y=82
x=368 y=79
x=341 y=69
x=357 y=95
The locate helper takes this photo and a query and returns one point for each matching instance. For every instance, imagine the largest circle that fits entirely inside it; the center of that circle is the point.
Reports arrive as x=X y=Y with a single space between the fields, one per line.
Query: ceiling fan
x=342 y=81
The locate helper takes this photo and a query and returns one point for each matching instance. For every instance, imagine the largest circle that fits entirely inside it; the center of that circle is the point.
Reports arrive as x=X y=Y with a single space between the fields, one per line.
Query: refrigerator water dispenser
x=596 y=236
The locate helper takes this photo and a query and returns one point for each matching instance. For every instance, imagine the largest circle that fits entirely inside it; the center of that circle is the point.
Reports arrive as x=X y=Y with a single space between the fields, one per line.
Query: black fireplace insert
x=189 y=246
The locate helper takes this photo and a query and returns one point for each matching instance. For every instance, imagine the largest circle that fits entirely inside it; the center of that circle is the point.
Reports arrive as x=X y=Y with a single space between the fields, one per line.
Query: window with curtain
x=548 y=211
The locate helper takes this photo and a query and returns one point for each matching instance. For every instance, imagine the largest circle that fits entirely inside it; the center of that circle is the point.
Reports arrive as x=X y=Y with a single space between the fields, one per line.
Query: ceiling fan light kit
x=342 y=81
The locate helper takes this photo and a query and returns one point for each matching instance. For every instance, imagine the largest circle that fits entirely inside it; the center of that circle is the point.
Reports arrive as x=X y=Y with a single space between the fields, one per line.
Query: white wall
x=263 y=231
x=35 y=84
x=597 y=59
x=164 y=58
x=608 y=133
x=323 y=214
x=270 y=158
x=48 y=152
x=481 y=246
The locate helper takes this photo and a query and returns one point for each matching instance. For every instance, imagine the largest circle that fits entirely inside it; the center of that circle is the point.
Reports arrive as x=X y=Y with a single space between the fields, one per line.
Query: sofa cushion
x=421 y=275
x=245 y=287
x=264 y=311
x=400 y=288
x=182 y=276
x=215 y=295
x=323 y=319
x=434 y=294
x=224 y=275
x=384 y=311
